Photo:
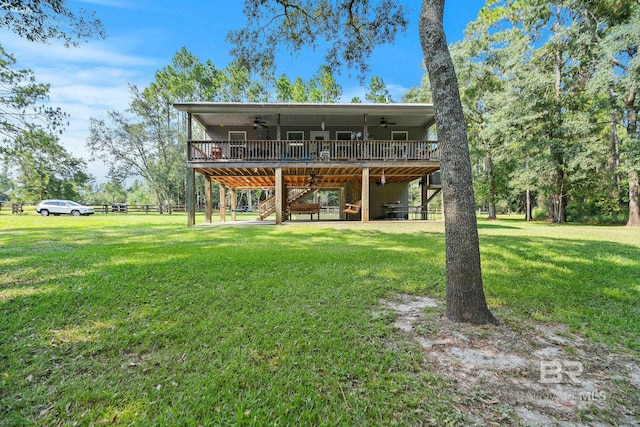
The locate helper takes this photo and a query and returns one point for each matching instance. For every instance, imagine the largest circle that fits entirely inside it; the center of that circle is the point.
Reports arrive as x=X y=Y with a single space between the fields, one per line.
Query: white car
x=57 y=207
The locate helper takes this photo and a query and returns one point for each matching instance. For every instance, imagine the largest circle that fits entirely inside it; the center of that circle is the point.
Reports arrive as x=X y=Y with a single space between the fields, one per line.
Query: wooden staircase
x=268 y=206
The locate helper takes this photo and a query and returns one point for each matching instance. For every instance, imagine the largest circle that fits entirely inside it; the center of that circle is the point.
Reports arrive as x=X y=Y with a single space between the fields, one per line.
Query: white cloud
x=85 y=81
x=96 y=87
x=101 y=52
x=85 y=99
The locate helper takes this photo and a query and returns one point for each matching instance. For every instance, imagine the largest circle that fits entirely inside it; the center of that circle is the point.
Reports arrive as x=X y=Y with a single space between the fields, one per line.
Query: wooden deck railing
x=311 y=151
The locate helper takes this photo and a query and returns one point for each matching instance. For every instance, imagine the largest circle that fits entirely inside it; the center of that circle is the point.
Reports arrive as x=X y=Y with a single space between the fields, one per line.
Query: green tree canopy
x=46 y=170
x=378 y=92
x=22 y=104
x=363 y=25
x=26 y=122
x=550 y=93
x=45 y=20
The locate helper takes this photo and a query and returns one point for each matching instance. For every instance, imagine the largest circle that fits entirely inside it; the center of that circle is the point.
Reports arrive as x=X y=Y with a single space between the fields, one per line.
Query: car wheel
x=75 y=213
x=44 y=212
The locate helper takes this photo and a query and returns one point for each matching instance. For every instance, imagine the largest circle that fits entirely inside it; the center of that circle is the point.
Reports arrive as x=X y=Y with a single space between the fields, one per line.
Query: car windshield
x=73 y=203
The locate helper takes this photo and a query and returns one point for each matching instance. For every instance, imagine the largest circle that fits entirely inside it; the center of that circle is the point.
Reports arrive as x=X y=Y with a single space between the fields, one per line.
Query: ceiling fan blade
x=259 y=124
x=384 y=123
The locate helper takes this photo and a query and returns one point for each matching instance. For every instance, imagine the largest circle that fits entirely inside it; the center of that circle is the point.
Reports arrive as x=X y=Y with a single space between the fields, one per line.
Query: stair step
x=268 y=206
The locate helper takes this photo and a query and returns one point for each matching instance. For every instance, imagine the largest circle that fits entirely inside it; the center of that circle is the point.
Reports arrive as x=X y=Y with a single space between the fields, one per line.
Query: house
x=368 y=152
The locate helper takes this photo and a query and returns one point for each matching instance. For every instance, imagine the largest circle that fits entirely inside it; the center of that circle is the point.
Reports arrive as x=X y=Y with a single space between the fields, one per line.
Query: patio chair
x=325 y=153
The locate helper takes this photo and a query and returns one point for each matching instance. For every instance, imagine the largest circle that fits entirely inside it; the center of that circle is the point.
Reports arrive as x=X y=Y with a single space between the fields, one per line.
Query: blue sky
x=143 y=36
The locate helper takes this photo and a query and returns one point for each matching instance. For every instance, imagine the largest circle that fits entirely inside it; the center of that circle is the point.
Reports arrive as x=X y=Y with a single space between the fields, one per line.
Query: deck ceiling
x=326 y=177
x=238 y=115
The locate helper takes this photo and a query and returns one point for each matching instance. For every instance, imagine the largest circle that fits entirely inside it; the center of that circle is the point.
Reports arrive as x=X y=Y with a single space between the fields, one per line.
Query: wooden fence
x=123 y=208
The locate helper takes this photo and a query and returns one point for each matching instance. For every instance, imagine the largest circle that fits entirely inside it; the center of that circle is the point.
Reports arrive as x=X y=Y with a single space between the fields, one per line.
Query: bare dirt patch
x=524 y=374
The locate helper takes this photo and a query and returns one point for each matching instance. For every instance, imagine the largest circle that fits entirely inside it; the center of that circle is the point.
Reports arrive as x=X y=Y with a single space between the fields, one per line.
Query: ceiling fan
x=313 y=179
x=259 y=124
x=384 y=123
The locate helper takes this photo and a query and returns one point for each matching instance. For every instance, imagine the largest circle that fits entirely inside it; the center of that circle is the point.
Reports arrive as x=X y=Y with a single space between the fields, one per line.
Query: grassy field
x=137 y=319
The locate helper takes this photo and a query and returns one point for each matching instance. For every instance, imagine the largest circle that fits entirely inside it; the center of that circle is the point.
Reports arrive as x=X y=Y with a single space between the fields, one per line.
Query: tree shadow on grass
x=228 y=319
x=590 y=285
x=268 y=314
x=496 y=225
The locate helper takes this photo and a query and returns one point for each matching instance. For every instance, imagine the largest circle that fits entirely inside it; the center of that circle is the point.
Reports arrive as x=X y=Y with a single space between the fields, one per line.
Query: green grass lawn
x=137 y=319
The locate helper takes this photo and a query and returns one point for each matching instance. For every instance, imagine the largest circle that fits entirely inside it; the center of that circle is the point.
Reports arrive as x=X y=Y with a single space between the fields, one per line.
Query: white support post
x=234 y=203
x=223 y=203
x=191 y=197
x=364 y=209
x=208 y=207
x=279 y=195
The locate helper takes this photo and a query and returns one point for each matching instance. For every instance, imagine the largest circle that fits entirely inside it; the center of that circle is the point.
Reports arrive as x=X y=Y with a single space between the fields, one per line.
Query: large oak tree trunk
x=465 y=296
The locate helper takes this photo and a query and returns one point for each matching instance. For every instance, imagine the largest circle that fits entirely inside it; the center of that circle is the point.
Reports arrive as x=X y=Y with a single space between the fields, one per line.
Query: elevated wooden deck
x=312 y=151
x=321 y=164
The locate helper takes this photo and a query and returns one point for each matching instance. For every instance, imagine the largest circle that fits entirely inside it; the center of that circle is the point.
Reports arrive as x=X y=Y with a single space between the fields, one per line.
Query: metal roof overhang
x=211 y=114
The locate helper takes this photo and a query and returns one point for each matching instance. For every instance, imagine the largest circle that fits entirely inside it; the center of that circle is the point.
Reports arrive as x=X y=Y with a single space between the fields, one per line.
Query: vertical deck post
x=279 y=195
x=191 y=197
x=424 y=198
x=356 y=192
x=191 y=181
x=208 y=203
x=234 y=203
x=365 y=128
x=223 y=203
x=285 y=202
x=278 y=130
x=365 y=194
